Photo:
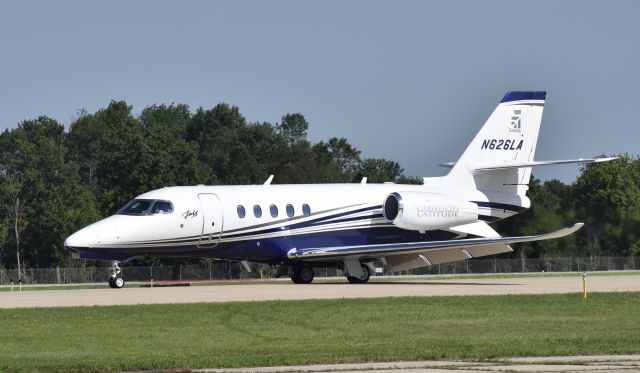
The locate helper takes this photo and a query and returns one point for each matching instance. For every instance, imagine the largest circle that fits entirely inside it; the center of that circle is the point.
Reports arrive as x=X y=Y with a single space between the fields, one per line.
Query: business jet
x=349 y=226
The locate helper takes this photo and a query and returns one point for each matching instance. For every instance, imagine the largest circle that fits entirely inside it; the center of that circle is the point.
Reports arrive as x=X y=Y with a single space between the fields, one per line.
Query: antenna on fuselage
x=268 y=182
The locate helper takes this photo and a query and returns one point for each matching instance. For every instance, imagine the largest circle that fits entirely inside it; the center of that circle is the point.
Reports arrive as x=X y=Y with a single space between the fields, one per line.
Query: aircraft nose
x=81 y=239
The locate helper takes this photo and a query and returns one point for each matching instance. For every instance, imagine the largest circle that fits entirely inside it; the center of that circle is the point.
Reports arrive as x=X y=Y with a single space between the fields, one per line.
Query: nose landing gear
x=116 y=281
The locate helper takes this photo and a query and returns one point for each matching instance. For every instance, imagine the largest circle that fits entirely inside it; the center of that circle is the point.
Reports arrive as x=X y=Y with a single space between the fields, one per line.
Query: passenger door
x=212 y=220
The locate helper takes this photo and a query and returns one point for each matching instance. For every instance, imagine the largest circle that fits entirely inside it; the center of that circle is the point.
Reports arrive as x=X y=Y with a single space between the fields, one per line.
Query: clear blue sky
x=404 y=80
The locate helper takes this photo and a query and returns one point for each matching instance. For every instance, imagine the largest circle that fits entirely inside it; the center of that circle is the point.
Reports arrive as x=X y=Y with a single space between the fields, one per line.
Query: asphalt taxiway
x=285 y=291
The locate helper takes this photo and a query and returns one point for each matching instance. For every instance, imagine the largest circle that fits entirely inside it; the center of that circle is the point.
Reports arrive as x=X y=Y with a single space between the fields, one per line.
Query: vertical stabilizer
x=509 y=136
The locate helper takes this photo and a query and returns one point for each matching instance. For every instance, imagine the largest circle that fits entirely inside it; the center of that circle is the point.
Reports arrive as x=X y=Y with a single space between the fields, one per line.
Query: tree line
x=54 y=181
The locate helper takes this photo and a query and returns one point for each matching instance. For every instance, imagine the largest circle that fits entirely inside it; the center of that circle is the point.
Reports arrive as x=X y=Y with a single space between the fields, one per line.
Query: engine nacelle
x=421 y=211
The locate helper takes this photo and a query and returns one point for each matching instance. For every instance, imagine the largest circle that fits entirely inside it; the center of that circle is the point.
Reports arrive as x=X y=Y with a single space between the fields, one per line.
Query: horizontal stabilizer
x=379 y=250
x=540 y=163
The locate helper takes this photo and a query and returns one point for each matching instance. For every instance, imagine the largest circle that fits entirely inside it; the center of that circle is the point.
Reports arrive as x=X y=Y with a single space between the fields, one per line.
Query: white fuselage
x=208 y=221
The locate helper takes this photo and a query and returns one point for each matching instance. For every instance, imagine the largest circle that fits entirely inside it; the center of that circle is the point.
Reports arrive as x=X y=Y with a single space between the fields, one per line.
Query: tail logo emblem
x=516 y=121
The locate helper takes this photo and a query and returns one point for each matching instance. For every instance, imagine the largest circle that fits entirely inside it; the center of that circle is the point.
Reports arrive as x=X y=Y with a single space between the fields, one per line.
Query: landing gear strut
x=116 y=281
x=301 y=274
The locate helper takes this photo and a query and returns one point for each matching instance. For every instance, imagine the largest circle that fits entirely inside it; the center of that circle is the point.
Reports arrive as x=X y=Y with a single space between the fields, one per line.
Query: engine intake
x=421 y=211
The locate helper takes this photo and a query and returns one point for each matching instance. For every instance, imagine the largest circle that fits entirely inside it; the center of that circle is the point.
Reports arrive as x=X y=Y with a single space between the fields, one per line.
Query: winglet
x=268 y=182
x=364 y=180
x=561 y=232
x=598 y=160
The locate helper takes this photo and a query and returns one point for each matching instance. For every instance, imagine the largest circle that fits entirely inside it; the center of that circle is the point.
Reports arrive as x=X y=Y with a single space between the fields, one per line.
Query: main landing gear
x=301 y=274
x=361 y=278
x=355 y=272
x=116 y=281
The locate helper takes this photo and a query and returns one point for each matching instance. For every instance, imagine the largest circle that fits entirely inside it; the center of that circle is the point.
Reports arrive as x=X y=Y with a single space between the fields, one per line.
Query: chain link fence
x=230 y=271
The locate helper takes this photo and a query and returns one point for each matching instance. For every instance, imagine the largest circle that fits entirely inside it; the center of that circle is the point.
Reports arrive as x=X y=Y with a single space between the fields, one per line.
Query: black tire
x=306 y=275
x=356 y=280
x=294 y=278
x=112 y=285
x=301 y=275
x=118 y=283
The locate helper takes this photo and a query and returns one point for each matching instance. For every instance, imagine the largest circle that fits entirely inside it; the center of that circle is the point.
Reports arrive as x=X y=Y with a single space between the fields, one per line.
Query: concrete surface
x=257 y=292
x=608 y=363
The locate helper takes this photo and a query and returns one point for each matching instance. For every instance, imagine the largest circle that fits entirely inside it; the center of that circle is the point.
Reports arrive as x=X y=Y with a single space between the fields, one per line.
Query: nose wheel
x=116 y=281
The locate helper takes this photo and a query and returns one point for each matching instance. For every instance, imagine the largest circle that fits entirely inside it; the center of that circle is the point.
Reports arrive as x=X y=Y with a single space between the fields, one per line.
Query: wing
x=464 y=246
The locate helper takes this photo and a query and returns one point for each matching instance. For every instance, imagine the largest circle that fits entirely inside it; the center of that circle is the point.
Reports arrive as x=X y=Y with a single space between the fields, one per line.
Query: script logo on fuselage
x=190 y=214
x=501 y=144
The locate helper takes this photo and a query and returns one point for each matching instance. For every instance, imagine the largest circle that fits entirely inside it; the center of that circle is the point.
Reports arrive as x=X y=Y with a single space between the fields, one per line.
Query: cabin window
x=273 y=209
x=162 y=207
x=136 y=207
x=306 y=210
x=290 y=211
x=257 y=211
x=241 y=212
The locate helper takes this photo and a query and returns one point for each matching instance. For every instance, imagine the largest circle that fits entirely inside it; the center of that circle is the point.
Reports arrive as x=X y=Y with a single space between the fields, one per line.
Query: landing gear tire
x=116 y=282
x=301 y=275
x=363 y=280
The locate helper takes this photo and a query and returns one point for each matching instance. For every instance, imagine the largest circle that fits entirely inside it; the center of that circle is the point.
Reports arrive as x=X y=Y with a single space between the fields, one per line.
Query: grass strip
x=182 y=336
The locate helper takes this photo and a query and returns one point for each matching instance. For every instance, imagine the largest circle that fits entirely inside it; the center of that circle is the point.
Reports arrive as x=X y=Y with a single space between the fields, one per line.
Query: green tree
x=44 y=191
x=606 y=196
x=13 y=204
x=338 y=152
x=293 y=128
x=173 y=160
x=378 y=170
x=112 y=144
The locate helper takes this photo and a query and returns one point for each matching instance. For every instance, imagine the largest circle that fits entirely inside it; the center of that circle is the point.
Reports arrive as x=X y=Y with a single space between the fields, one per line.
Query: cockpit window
x=146 y=207
x=136 y=207
x=162 y=207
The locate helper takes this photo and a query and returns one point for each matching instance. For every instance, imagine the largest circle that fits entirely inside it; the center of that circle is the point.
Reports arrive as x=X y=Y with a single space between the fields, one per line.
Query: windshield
x=146 y=207
x=162 y=207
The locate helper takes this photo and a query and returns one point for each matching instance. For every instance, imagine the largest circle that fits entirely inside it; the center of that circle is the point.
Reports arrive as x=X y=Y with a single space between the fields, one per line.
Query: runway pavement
x=286 y=291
